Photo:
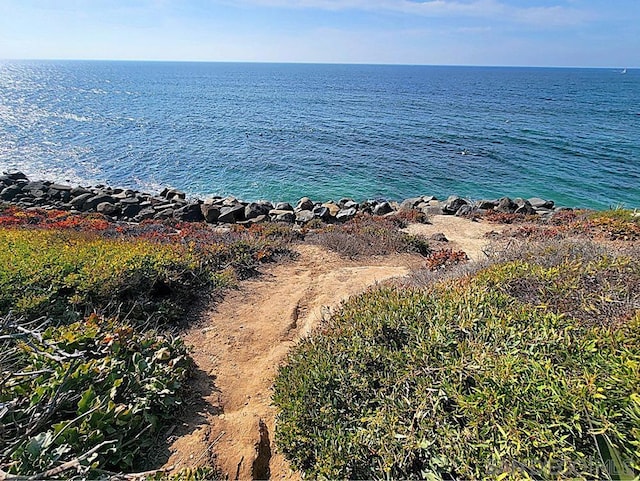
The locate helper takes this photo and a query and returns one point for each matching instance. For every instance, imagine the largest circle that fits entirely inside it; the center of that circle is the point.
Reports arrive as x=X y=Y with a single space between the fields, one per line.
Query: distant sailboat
x=624 y=71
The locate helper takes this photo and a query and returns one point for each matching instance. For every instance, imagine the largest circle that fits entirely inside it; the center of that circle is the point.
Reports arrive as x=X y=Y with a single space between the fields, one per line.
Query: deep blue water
x=280 y=131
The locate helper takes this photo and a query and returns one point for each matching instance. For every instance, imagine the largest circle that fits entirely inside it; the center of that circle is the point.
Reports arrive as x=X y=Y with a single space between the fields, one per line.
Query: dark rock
x=453 y=204
x=255 y=220
x=409 y=204
x=61 y=187
x=10 y=193
x=255 y=209
x=283 y=206
x=281 y=215
x=15 y=176
x=304 y=216
x=76 y=191
x=351 y=205
x=439 y=237
x=107 y=208
x=382 y=208
x=210 y=212
x=506 y=205
x=172 y=194
x=524 y=207
x=346 y=214
x=144 y=214
x=342 y=202
x=79 y=201
x=304 y=204
x=321 y=212
x=231 y=214
x=539 y=203
x=366 y=207
x=129 y=210
x=92 y=202
x=486 y=204
x=189 y=213
x=464 y=210
x=164 y=214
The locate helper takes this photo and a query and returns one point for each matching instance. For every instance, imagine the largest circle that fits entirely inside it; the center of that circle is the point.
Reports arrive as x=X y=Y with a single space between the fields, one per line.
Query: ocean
x=281 y=131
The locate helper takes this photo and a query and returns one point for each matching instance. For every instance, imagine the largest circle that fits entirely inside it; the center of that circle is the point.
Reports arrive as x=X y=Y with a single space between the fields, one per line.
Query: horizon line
x=304 y=62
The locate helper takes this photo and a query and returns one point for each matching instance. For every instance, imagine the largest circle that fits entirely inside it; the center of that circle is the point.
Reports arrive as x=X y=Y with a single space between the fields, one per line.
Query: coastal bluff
x=120 y=204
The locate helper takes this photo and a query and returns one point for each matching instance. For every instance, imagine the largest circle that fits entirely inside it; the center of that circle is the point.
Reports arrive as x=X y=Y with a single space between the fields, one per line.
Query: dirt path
x=242 y=344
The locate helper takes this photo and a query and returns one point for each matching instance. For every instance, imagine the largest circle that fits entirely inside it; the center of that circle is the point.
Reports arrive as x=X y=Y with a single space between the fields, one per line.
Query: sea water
x=281 y=131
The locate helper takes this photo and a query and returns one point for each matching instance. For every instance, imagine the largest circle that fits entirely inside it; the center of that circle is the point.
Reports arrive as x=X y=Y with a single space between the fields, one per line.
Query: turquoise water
x=280 y=131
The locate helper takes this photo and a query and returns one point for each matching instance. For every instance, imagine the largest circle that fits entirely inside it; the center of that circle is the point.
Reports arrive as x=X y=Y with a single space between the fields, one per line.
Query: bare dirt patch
x=463 y=234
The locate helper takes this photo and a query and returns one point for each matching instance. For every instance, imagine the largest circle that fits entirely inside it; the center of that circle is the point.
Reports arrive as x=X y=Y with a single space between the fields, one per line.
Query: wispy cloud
x=556 y=15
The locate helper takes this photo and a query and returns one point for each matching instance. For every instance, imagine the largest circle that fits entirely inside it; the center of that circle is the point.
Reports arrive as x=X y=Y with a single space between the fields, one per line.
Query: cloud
x=556 y=15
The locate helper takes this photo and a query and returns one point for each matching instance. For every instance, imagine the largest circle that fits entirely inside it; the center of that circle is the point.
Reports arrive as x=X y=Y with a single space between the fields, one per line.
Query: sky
x=580 y=33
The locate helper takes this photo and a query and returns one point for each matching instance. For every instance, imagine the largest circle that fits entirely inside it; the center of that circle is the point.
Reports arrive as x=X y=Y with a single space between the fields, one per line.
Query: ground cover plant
x=90 y=373
x=527 y=369
x=610 y=225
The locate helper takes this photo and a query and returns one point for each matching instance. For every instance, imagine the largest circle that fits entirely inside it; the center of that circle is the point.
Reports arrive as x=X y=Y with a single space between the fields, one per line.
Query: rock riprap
x=134 y=206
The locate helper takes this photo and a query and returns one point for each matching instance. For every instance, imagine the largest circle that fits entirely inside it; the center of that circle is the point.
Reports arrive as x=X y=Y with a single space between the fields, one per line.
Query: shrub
x=93 y=387
x=367 y=236
x=444 y=258
x=524 y=370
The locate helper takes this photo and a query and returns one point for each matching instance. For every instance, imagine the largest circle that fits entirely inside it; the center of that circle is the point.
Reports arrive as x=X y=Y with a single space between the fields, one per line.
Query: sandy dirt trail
x=239 y=346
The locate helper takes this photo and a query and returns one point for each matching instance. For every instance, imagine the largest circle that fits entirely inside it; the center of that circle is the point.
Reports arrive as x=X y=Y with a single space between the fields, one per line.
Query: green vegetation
x=89 y=372
x=528 y=369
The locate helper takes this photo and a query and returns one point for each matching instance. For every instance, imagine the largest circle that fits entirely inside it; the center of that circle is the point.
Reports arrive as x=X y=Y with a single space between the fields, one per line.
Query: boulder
x=92 y=202
x=231 y=214
x=506 y=205
x=409 y=204
x=129 y=210
x=79 y=201
x=210 y=212
x=342 y=202
x=76 y=191
x=524 y=207
x=144 y=214
x=283 y=206
x=172 y=194
x=382 y=208
x=164 y=214
x=464 y=210
x=486 y=204
x=304 y=204
x=10 y=193
x=255 y=220
x=438 y=237
x=17 y=175
x=107 y=208
x=282 y=215
x=321 y=212
x=452 y=204
x=350 y=204
x=538 y=203
x=333 y=208
x=189 y=213
x=346 y=214
x=304 y=216
x=255 y=209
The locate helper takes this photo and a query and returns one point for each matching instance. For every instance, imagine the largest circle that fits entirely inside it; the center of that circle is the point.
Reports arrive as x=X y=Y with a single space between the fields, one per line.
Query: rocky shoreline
x=134 y=206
